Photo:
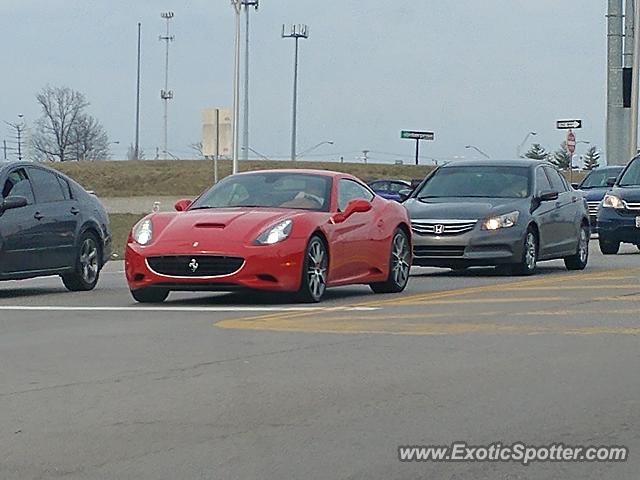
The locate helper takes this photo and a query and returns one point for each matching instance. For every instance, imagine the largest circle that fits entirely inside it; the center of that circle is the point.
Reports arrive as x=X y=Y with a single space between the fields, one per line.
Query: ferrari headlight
x=612 y=201
x=143 y=232
x=501 y=221
x=275 y=234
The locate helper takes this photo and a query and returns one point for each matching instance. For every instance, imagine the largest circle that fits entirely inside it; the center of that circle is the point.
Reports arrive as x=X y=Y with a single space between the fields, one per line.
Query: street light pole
x=477 y=150
x=245 y=138
x=296 y=32
x=635 y=93
x=309 y=150
x=519 y=150
x=237 y=5
x=166 y=94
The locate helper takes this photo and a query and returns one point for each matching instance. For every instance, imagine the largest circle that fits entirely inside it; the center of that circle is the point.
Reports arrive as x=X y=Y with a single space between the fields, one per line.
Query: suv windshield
x=269 y=190
x=598 y=178
x=631 y=176
x=480 y=181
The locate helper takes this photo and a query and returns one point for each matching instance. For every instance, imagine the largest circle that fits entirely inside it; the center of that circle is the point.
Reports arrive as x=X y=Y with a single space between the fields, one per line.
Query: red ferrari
x=281 y=230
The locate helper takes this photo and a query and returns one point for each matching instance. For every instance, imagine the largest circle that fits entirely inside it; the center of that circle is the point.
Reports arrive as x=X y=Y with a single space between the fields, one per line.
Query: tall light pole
x=245 y=136
x=635 y=94
x=477 y=150
x=296 y=32
x=237 y=5
x=166 y=94
x=519 y=150
x=136 y=148
x=309 y=150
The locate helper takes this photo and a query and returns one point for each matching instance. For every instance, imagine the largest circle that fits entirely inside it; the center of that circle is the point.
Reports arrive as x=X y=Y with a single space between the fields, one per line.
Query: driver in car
x=312 y=197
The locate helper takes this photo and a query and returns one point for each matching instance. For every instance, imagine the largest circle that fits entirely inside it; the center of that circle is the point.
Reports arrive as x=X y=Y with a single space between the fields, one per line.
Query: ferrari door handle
x=38 y=216
x=75 y=210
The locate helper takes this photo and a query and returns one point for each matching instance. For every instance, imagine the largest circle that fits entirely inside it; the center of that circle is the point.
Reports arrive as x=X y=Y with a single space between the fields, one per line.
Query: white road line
x=168 y=308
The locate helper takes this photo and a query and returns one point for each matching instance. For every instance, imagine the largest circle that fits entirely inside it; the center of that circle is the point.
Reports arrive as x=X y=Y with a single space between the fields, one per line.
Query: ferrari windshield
x=269 y=190
x=480 y=181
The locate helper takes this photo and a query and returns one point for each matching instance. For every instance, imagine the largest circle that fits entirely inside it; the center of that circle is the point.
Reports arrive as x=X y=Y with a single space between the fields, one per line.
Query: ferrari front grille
x=195 y=266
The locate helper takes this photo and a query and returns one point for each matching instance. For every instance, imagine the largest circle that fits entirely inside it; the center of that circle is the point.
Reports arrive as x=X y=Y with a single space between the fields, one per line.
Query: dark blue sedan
x=595 y=186
x=390 y=189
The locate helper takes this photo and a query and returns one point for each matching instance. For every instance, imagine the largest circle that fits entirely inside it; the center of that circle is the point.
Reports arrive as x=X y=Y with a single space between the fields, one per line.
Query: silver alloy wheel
x=399 y=259
x=89 y=260
x=317 y=269
x=530 y=253
x=583 y=248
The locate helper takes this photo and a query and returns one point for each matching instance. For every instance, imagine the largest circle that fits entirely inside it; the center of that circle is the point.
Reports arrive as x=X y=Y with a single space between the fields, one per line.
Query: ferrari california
x=277 y=230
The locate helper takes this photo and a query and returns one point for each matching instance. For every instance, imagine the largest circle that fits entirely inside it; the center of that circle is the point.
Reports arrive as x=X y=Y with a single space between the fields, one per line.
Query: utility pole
x=19 y=128
x=615 y=131
x=136 y=151
x=633 y=140
x=166 y=94
x=4 y=147
x=245 y=137
x=237 y=6
x=296 y=32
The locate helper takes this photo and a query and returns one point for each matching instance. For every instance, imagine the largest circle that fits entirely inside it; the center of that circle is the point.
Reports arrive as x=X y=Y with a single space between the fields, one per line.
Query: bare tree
x=65 y=132
x=197 y=149
x=131 y=153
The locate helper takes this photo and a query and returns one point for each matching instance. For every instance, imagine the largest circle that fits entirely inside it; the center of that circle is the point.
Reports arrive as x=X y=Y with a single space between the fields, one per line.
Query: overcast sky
x=481 y=72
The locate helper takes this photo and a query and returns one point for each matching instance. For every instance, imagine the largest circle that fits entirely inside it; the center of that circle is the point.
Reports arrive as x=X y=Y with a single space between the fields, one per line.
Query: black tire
x=150 y=295
x=609 y=247
x=399 y=265
x=314 y=271
x=530 y=248
x=580 y=259
x=87 y=267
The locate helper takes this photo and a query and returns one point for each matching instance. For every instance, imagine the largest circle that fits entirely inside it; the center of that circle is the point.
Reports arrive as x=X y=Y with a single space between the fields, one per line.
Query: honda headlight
x=143 y=232
x=612 y=201
x=501 y=221
x=275 y=234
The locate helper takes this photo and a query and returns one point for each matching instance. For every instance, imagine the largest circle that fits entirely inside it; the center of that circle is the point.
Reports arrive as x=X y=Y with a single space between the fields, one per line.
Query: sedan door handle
x=38 y=216
x=75 y=210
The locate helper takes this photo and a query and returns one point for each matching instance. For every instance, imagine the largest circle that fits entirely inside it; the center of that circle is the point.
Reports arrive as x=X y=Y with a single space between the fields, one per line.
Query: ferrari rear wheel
x=150 y=295
x=314 y=271
x=399 y=265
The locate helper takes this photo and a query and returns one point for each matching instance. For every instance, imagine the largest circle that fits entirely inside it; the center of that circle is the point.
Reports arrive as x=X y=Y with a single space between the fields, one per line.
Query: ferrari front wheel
x=314 y=271
x=399 y=265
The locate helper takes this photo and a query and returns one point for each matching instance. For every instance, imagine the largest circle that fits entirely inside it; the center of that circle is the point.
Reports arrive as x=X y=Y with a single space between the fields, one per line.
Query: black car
x=619 y=212
x=489 y=213
x=50 y=225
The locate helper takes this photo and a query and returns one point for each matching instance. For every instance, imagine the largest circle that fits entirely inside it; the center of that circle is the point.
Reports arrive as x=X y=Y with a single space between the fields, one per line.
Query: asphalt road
x=93 y=386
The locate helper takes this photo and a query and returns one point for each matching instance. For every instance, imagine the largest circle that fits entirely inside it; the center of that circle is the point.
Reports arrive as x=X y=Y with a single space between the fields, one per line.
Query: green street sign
x=416 y=135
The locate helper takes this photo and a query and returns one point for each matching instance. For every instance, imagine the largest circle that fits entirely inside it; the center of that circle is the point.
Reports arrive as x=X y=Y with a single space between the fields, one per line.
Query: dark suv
x=619 y=212
x=50 y=225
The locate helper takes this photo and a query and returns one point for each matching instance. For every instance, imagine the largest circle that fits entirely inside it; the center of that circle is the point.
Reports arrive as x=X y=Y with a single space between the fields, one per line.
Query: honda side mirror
x=182 y=205
x=10 y=203
x=548 y=195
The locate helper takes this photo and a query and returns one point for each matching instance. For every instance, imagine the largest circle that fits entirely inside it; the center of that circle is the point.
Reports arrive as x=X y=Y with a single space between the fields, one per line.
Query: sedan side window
x=18 y=185
x=556 y=180
x=542 y=182
x=350 y=190
x=46 y=186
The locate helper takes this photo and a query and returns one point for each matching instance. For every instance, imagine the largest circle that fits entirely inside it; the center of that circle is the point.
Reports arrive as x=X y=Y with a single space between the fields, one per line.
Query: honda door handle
x=38 y=216
x=558 y=204
x=75 y=211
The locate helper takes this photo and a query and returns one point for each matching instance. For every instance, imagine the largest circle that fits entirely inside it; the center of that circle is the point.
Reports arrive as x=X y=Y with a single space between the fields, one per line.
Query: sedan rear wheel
x=314 y=271
x=399 y=265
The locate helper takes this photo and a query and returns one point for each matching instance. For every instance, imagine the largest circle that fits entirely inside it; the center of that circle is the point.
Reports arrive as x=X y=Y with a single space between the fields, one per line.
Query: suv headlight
x=143 y=232
x=501 y=221
x=276 y=233
x=612 y=201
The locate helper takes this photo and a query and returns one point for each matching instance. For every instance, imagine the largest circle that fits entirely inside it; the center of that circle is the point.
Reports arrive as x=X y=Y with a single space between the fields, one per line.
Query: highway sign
x=571 y=142
x=417 y=135
x=568 y=124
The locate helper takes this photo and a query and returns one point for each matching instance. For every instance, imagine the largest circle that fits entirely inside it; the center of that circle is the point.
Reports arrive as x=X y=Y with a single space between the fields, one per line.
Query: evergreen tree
x=592 y=158
x=537 y=152
x=562 y=157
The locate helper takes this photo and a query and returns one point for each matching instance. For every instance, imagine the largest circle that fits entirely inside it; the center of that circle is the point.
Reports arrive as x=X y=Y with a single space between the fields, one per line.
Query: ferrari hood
x=210 y=227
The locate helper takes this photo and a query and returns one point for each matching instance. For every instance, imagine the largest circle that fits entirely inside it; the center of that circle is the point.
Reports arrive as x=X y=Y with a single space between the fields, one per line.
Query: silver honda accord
x=490 y=213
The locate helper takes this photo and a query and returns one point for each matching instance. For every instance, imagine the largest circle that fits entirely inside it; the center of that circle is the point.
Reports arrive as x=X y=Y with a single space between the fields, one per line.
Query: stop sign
x=571 y=142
